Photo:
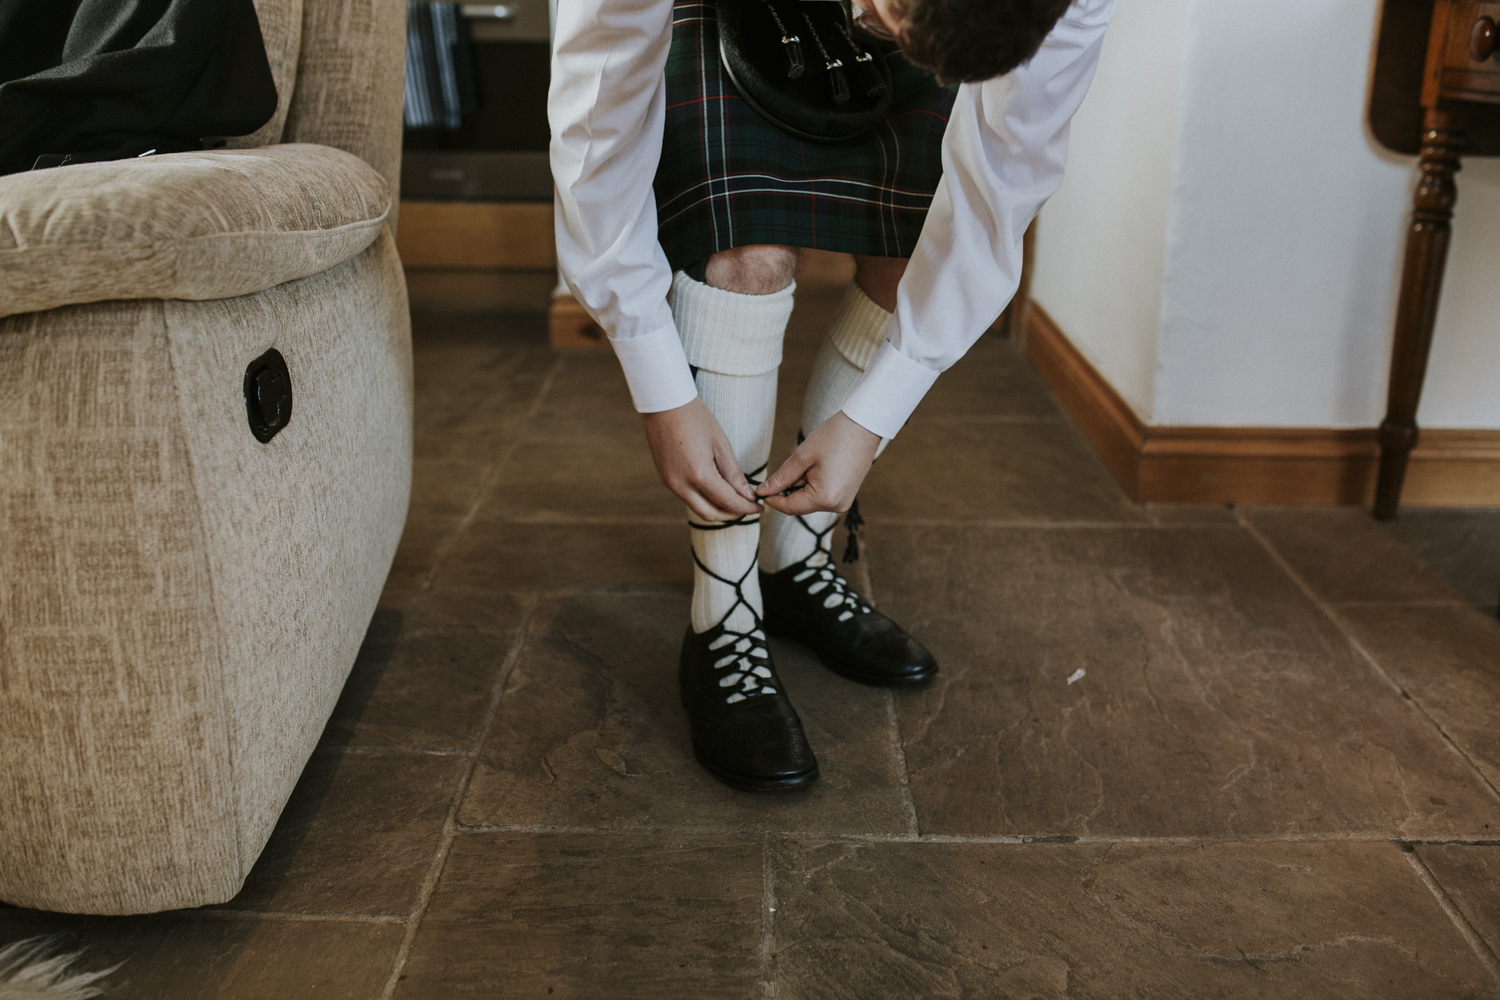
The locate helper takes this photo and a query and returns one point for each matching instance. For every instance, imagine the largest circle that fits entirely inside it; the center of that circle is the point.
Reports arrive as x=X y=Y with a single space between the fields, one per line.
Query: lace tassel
x=853 y=522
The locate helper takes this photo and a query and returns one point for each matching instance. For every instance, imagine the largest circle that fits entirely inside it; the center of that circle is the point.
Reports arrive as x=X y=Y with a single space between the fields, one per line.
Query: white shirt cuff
x=656 y=370
x=887 y=393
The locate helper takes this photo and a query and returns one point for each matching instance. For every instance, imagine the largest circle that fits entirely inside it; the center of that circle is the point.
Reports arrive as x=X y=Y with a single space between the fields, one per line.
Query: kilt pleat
x=729 y=178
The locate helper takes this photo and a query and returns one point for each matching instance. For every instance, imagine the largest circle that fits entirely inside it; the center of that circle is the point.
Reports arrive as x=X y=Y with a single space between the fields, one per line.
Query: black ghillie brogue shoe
x=745 y=730
x=810 y=602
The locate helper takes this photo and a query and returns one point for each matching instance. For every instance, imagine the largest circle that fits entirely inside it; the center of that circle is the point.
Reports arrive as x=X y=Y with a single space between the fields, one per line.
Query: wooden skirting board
x=504 y=235
x=1449 y=468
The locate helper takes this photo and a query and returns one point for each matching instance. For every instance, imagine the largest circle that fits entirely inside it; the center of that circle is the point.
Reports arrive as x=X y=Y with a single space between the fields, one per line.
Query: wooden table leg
x=1421 y=284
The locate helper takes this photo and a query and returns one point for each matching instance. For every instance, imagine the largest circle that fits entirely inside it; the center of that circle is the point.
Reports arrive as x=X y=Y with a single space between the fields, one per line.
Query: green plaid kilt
x=729 y=178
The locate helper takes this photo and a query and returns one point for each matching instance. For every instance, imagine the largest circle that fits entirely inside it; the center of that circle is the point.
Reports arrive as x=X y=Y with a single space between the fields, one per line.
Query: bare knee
x=879 y=277
x=754 y=270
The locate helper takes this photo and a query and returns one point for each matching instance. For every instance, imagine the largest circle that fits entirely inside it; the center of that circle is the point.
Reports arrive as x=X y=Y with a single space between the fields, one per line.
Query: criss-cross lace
x=820 y=576
x=746 y=662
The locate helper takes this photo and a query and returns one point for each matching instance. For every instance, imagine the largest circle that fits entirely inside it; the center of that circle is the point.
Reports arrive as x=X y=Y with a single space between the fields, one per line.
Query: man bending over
x=669 y=181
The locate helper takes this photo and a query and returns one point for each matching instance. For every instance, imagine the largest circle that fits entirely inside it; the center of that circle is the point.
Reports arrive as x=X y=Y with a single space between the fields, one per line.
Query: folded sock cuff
x=729 y=333
x=859 y=328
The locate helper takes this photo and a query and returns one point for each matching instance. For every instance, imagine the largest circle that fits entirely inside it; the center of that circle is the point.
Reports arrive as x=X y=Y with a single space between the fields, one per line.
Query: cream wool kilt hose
x=733 y=342
x=857 y=333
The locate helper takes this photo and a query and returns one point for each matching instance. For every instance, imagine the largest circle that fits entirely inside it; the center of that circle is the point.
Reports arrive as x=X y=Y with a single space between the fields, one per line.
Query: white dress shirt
x=1003 y=157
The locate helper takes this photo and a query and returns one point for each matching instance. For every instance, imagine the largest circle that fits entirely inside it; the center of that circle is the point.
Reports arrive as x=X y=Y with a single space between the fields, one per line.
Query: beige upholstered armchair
x=192 y=539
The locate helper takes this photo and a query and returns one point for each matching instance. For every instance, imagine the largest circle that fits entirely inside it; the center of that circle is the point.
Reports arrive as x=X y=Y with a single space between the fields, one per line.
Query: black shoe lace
x=745 y=654
x=853 y=521
x=818 y=568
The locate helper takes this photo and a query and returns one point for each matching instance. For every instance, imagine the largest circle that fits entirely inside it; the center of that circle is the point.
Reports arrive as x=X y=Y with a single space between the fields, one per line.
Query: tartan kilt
x=729 y=178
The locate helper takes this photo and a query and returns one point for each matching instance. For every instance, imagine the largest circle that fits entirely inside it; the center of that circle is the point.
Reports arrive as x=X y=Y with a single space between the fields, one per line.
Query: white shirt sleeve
x=607 y=106
x=1003 y=157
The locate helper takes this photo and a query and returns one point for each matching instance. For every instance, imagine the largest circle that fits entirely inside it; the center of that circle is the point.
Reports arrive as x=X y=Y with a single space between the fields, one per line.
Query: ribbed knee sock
x=857 y=333
x=734 y=343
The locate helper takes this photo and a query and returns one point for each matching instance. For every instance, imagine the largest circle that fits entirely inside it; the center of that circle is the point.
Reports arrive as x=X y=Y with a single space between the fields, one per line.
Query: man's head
x=966 y=40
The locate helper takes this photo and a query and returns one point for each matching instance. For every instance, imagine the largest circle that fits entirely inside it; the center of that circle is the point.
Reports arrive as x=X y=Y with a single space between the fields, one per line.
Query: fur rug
x=29 y=970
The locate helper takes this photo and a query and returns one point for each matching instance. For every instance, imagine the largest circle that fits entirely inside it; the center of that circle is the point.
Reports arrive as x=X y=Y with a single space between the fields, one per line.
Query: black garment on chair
x=88 y=80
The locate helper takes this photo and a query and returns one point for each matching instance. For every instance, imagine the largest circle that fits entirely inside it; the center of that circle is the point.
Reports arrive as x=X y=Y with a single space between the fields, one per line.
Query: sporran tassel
x=834 y=66
x=869 y=76
x=864 y=67
x=791 y=45
x=793 y=49
x=839 y=81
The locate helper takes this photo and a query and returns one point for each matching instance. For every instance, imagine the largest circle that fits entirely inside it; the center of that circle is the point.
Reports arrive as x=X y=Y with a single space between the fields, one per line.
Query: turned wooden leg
x=1421 y=284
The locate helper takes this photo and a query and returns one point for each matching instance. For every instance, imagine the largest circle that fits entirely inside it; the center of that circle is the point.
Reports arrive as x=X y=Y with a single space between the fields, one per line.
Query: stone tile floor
x=1174 y=752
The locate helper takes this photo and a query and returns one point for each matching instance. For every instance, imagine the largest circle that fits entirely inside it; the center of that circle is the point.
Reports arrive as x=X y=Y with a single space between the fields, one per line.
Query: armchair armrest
x=199 y=226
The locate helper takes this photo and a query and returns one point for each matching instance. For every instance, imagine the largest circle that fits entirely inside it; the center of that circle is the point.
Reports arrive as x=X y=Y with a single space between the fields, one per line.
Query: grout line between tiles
x=908 y=801
x=375 y=751
x=311 y=918
x=1369 y=658
x=450 y=823
x=975 y=838
x=643 y=831
x=494 y=474
x=1456 y=603
x=1481 y=950
x=767 y=922
x=1452 y=842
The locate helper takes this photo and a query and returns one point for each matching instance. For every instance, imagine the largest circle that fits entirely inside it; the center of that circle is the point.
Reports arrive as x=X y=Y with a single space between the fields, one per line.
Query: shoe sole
x=752 y=784
x=859 y=676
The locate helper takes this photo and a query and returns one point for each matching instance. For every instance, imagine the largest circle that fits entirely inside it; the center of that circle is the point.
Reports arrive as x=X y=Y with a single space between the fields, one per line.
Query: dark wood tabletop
x=1400 y=60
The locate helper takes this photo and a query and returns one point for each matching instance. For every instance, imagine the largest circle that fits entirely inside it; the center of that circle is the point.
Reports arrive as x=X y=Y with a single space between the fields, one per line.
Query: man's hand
x=829 y=466
x=694 y=460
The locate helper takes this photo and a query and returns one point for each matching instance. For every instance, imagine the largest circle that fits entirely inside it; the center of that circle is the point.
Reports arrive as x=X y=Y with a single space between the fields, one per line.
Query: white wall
x=1101 y=243
x=1463 y=377
x=1282 y=232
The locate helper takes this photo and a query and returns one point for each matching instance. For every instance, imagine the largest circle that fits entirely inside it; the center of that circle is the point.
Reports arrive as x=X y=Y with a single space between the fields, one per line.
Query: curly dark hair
x=969 y=40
